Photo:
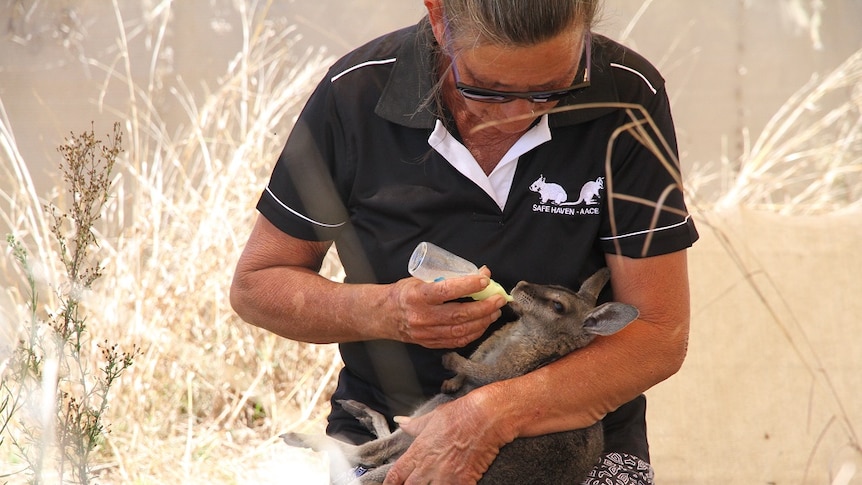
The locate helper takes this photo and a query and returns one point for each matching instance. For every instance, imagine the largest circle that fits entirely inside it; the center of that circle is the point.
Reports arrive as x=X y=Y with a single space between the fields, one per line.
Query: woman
x=506 y=132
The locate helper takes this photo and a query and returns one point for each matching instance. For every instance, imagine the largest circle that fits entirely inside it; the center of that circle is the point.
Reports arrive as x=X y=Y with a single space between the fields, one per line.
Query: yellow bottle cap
x=493 y=288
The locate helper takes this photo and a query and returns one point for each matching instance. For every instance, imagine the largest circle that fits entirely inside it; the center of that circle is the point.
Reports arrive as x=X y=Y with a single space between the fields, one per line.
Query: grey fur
x=553 y=321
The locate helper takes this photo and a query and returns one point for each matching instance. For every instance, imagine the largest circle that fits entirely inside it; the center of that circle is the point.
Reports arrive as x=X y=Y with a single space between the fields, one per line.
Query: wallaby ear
x=594 y=284
x=609 y=318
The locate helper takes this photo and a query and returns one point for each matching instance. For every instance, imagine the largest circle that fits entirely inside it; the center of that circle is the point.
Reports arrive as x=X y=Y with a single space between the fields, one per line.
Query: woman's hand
x=455 y=444
x=277 y=287
x=426 y=314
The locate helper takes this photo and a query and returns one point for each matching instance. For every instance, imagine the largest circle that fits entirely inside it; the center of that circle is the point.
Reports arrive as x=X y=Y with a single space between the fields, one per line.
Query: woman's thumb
x=411 y=426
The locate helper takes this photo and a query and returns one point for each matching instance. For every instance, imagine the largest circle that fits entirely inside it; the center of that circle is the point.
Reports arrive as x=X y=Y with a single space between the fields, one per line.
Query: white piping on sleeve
x=364 y=64
x=297 y=214
x=651 y=87
x=638 y=233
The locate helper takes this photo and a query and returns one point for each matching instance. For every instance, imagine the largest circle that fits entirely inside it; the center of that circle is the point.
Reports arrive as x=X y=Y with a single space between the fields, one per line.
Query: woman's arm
x=574 y=392
x=276 y=286
x=612 y=370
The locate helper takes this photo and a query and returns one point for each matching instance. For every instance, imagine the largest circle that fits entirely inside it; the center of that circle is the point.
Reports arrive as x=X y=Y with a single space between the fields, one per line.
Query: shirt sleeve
x=302 y=197
x=647 y=213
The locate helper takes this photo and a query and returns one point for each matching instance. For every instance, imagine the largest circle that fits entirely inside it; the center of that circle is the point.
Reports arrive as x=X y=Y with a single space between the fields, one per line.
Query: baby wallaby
x=552 y=322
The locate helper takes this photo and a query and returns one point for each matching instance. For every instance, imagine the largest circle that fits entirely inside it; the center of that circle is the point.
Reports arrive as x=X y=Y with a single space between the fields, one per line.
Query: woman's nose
x=518 y=111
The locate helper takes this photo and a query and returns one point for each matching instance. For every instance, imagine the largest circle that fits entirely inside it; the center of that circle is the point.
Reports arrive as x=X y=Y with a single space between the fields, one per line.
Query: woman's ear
x=437 y=19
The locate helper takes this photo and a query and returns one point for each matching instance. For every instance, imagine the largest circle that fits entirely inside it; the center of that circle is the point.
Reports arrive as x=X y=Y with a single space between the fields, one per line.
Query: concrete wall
x=730 y=64
x=771 y=390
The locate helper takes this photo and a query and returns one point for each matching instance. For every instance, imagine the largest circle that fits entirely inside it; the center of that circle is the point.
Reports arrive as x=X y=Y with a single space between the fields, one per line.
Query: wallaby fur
x=553 y=321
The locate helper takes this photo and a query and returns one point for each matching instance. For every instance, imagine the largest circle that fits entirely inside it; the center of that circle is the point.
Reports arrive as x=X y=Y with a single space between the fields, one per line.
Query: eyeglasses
x=483 y=95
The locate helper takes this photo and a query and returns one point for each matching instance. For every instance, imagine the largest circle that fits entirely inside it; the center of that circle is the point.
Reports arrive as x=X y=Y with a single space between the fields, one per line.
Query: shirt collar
x=407 y=98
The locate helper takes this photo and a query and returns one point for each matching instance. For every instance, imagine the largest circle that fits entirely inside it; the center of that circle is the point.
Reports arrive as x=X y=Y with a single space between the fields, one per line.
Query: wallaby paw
x=355 y=408
x=371 y=419
x=296 y=439
x=452 y=385
x=452 y=361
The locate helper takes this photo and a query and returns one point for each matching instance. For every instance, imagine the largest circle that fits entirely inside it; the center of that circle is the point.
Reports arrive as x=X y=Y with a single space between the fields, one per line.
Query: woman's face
x=542 y=67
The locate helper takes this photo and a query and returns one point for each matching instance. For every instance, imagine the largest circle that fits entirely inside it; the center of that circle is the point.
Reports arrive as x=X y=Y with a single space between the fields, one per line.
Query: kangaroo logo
x=555 y=194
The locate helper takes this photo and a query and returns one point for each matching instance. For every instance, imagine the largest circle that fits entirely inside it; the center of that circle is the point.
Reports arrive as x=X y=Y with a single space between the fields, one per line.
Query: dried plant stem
x=74 y=397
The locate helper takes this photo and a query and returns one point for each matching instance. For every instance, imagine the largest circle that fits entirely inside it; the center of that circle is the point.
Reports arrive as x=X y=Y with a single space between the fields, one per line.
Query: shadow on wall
x=771 y=390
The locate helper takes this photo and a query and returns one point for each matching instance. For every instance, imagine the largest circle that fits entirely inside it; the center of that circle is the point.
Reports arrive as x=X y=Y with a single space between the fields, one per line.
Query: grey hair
x=516 y=22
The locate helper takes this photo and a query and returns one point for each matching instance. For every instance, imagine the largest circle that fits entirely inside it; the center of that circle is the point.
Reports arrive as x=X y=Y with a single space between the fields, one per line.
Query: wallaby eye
x=558 y=307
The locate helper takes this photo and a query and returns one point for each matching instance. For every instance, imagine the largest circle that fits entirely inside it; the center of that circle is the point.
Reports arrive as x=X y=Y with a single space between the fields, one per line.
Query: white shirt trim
x=639 y=233
x=627 y=68
x=297 y=214
x=364 y=64
x=498 y=184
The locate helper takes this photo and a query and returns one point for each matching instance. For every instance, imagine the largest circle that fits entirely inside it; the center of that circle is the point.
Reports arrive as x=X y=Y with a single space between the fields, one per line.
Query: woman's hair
x=515 y=22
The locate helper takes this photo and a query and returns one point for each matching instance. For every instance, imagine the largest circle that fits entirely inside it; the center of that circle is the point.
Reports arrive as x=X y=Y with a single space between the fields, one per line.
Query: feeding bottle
x=432 y=263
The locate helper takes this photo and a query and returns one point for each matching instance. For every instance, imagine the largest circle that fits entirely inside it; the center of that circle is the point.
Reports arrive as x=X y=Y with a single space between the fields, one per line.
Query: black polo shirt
x=370 y=165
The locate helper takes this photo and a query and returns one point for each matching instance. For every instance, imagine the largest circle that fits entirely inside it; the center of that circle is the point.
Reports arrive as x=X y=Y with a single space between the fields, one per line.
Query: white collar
x=499 y=182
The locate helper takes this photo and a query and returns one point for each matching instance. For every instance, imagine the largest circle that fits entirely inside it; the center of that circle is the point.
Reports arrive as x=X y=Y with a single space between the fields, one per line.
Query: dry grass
x=808 y=159
x=207 y=388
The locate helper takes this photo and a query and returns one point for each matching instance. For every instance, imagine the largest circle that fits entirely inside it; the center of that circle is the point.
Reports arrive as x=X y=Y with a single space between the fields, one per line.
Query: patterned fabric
x=348 y=477
x=620 y=469
x=614 y=469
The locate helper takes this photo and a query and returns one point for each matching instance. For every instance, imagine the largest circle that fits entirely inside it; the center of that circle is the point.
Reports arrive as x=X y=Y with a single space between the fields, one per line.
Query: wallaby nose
x=519 y=293
x=520 y=287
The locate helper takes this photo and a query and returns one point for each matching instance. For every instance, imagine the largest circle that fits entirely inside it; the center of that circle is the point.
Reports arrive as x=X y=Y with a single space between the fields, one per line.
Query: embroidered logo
x=554 y=199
